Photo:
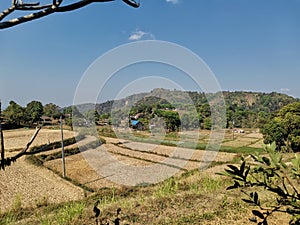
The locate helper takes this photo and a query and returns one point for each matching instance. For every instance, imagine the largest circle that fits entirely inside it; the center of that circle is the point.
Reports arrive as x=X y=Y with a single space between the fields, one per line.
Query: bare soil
x=25 y=185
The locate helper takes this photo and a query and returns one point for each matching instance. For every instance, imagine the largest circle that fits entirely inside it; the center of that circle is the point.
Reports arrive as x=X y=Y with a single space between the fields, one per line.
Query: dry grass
x=189 y=198
x=17 y=139
x=28 y=183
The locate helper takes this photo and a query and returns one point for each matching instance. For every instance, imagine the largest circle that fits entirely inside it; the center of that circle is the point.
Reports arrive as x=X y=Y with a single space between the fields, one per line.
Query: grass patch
x=167 y=188
x=68 y=213
x=242 y=150
x=8 y=219
x=210 y=185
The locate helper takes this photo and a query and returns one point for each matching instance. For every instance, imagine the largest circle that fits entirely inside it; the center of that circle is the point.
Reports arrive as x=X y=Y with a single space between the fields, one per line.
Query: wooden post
x=233 y=130
x=62 y=148
x=1 y=142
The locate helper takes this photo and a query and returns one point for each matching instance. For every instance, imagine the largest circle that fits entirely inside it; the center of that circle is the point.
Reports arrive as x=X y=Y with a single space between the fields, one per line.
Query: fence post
x=62 y=148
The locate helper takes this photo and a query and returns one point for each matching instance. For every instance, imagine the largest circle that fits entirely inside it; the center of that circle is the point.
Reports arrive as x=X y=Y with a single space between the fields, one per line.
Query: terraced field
x=30 y=184
x=25 y=185
x=193 y=198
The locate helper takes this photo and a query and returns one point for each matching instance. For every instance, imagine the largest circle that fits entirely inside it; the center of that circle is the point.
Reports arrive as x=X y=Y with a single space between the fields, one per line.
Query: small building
x=136 y=124
x=46 y=120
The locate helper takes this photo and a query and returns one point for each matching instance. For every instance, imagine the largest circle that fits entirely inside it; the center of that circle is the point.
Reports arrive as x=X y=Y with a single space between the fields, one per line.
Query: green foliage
x=51 y=110
x=275 y=132
x=14 y=114
x=34 y=111
x=284 y=129
x=70 y=213
x=171 y=118
x=92 y=116
x=269 y=173
x=169 y=186
x=8 y=219
x=17 y=203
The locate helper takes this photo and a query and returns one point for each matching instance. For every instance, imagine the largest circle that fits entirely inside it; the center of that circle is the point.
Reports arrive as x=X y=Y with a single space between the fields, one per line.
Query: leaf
x=273 y=147
x=258 y=213
x=234 y=168
x=246 y=173
x=236 y=185
x=266 y=160
x=255 y=198
x=242 y=168
x=255 y=158
x=231 y=187
x=247 y=201
x=223 y=173
x=233 y=175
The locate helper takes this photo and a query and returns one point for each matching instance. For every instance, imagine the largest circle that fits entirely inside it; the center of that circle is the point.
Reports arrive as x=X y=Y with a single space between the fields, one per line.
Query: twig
x=45 y=10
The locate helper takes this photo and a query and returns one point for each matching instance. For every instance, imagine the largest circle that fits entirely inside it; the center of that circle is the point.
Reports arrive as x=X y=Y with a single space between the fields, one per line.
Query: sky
x=249 y=45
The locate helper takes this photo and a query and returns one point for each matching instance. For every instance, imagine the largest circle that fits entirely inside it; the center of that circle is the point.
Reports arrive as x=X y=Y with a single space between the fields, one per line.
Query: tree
x=284 y=129
x=14 y=114
x=274 y=132
x=7 y=161
x=92 y=115
x=34 y=111
x=40 y=11
x=73 y=116
x=51 y=110
x=171 y=118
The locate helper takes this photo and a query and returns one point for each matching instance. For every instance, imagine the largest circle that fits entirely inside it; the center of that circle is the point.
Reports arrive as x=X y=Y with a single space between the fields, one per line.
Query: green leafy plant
x=270 y=174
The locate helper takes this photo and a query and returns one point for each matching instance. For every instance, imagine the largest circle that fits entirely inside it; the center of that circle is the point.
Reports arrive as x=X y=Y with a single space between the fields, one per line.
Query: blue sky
x=249 y=45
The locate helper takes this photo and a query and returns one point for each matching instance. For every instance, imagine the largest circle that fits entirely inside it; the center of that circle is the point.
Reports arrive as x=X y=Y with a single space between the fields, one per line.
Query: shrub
x=269 y=172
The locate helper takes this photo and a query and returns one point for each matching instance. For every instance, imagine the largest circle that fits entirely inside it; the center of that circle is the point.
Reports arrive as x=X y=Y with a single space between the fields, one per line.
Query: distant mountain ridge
x=253 y=101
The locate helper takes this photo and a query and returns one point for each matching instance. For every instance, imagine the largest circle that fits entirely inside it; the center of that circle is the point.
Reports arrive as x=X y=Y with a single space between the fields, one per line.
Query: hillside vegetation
x=244 y=109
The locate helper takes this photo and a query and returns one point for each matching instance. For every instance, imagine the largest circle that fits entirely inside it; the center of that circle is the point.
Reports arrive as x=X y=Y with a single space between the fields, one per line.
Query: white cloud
x=284 y=90
x=173 y=1
x=138 y=35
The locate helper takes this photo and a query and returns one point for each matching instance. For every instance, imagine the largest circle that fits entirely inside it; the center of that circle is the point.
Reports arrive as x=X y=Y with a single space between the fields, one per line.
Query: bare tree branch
x=7 y=11
x=45 y=10
x=9 y=160
x=23 y=152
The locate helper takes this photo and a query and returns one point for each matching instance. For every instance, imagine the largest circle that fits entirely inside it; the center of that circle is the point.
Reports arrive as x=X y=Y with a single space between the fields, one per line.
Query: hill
x=244 y=109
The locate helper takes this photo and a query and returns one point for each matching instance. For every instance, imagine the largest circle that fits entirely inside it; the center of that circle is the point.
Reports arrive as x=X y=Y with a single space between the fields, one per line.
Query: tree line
x=277 y=115
x=15 y=115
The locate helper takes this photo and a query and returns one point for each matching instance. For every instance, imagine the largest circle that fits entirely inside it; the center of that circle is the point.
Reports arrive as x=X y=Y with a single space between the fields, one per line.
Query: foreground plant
x=279 y=179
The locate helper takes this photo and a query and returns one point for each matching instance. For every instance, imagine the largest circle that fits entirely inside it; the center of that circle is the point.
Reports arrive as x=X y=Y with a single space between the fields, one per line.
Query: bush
x=269 y=172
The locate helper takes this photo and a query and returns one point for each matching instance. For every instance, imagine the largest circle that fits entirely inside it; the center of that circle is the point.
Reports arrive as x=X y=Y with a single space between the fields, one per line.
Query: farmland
x=190 y=197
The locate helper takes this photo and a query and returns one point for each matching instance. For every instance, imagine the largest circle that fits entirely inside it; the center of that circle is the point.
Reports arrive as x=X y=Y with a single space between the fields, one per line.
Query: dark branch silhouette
x=45 y=10
x=7 y=161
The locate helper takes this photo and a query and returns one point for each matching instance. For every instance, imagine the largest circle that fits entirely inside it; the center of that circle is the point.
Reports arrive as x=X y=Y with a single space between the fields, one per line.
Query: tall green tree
x=284 y=129
x=51 y=110
x=14 y=113
x=34 y=111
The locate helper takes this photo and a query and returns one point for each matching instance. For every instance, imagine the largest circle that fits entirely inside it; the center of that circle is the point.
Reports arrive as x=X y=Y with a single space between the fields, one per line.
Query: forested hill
x=257 y=101
x=237 y=100
x=247 y=109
